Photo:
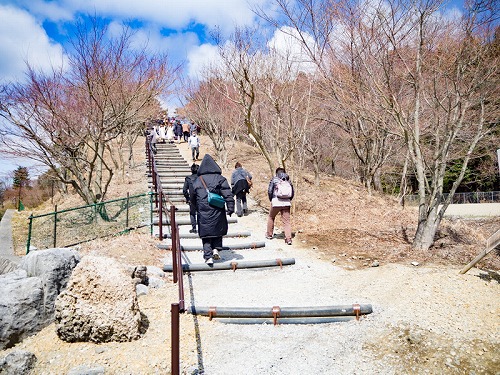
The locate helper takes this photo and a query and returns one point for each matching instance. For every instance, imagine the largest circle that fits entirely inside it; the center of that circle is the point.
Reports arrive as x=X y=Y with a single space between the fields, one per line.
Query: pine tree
x=21 y=179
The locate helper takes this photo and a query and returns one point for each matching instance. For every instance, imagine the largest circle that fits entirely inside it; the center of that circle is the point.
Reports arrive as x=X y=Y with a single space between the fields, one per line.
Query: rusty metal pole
x=160 y=214
x=174 y=234
x=174 y=324
x=179 y=270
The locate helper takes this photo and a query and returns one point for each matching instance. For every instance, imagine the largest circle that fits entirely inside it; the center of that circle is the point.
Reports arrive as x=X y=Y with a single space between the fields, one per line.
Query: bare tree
x=263 y=82
x=68 y=120
x=327 y=32
x=398 y=66
x=218 y=117
x=438 y=79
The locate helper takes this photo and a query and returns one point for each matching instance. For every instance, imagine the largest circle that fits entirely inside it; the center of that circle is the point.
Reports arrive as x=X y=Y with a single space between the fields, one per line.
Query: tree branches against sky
x=36 y=31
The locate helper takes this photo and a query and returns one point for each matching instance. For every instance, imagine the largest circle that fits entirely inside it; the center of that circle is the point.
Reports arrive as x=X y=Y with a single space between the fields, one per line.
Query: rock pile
x=99 y=304
x=28 y=293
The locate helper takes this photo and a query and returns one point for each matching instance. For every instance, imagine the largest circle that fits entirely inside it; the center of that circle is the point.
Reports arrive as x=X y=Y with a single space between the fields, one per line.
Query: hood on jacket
x=208 y=166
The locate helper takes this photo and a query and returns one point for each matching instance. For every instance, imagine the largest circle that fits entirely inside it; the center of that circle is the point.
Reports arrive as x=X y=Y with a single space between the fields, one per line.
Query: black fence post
x=126 y=219
x=151 y=213
x=55 y=225
x=28 y=243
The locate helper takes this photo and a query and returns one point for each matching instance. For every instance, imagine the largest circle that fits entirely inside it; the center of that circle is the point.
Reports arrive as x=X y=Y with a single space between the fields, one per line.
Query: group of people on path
x=172 y=130
x=210 y=221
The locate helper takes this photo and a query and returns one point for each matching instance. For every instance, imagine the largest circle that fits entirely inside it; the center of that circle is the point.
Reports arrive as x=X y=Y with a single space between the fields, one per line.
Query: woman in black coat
x=212 y=221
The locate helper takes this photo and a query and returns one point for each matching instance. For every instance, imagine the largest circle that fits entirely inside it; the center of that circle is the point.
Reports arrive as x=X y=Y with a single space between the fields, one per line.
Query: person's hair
x=194 y=168
x=280 y=169
x=237 y=165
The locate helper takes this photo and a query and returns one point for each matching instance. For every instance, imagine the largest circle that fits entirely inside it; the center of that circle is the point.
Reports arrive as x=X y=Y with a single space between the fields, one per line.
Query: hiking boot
x=216 y=255
x=269 y=237
x=209 y=262
x=193 y=231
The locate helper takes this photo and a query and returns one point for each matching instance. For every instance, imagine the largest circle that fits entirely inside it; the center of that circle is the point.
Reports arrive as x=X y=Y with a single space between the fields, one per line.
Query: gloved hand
x=230 y=213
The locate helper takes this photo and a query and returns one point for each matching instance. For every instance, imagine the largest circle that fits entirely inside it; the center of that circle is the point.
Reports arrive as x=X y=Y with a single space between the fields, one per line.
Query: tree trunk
x=427 y=228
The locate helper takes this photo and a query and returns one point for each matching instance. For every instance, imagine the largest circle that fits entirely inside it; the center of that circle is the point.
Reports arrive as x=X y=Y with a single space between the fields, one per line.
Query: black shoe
x=288 y=242
x=193 y=231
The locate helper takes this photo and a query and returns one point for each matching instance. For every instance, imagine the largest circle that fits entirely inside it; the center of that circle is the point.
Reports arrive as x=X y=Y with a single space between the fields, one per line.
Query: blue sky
x=37 y=31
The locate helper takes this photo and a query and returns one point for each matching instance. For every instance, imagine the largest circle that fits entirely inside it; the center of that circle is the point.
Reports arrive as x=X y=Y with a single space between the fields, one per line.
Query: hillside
x=338 y=218
x=345 y=223
x=430 y=326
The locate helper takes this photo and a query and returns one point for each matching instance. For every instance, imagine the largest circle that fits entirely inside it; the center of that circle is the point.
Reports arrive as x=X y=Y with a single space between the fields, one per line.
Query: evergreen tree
x=21 y=179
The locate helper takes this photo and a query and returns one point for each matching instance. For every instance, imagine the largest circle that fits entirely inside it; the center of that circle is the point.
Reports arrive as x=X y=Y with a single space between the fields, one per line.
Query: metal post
x=174 y=356
x=128 y=201
x=160 y=214
x=175 y=249
x=179 y=270
x=151 y=213
x=29 y=234
x=55 y=225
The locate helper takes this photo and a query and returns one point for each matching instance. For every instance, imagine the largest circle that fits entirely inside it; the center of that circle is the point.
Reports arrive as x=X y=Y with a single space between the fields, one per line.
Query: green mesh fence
x=81 y=224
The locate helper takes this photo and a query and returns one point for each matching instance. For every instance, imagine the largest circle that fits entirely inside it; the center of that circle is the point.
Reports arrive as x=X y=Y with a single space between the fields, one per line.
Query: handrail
x=176 y=308
x=492 y=242
x=160 y=196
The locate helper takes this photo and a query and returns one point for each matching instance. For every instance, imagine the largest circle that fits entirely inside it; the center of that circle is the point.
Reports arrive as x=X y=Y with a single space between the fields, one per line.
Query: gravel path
x=424 y=319
x=6 y=244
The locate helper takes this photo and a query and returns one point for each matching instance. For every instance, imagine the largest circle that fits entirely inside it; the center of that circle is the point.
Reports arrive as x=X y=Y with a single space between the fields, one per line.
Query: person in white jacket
x=194 y=143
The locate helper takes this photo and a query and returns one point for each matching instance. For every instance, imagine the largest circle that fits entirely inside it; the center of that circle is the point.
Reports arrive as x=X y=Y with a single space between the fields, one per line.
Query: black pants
x=209 y=244
x=186 y=136
x=192 y=215
x=241 y=203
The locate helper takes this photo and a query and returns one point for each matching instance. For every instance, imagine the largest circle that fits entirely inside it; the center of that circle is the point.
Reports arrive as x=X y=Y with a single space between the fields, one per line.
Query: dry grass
x=133 y=182
x=343 y=221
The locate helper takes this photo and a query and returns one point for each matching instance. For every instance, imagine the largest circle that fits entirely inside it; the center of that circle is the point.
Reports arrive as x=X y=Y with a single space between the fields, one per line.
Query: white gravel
x=424 y=320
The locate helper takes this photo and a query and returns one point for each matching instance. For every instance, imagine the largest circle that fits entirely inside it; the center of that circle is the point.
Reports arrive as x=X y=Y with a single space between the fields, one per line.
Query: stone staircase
x=172 y=169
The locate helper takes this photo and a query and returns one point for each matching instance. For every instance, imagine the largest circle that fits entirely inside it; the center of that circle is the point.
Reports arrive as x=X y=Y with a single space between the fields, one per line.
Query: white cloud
x=200 y=58
x=23 y=39
x=52 y=10
x=285 y=42
x=173 y=14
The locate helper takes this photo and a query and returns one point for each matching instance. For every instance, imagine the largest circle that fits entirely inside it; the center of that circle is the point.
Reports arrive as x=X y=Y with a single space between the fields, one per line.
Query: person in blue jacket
x=212 y=221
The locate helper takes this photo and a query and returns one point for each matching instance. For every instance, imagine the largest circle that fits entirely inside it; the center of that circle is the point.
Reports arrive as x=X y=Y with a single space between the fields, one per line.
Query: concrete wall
x=473 y=210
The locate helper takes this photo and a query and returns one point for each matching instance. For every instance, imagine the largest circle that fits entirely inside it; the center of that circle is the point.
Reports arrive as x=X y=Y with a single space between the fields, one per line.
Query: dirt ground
x=429 y=319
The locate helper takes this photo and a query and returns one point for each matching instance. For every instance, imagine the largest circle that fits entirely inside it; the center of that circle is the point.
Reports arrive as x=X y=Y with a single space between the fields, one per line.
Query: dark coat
x=177 y=129
x=188 y=186
x=212 y=221
x=241 y=186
